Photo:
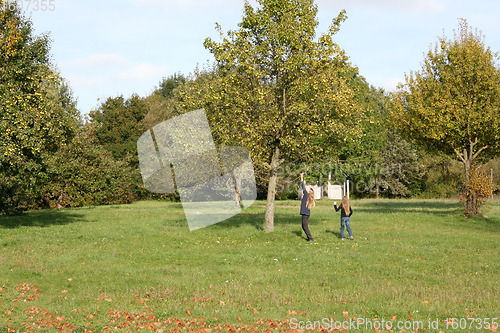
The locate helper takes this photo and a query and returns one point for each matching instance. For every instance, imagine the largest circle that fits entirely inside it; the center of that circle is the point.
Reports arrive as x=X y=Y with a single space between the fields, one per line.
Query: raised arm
x=302 y=182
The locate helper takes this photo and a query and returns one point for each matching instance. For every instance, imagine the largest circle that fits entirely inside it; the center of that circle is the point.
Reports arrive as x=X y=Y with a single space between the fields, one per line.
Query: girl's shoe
x=351 y=238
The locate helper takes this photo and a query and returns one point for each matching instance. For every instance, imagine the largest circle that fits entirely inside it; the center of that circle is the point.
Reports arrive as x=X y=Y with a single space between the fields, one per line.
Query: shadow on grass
x=288 y=215
x=453 y=211
x=300 y=233
x=255 y=220
x=476 y=223
x=493 y=224
x=43 y=218
x=335 y=233
x=432 y=207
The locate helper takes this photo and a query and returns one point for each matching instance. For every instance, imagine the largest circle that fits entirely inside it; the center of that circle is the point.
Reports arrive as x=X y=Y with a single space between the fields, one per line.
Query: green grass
x=410 y=258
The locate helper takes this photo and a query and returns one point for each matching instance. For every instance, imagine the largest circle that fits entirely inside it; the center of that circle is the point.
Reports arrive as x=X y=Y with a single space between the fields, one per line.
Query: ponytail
x=311 y=201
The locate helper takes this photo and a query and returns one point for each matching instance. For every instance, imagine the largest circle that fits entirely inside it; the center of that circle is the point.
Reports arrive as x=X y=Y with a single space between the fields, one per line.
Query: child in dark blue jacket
x=308 y=201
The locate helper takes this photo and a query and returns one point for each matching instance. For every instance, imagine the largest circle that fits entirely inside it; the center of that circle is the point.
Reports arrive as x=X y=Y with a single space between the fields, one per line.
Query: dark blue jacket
x=342 y=211
x=303 y=208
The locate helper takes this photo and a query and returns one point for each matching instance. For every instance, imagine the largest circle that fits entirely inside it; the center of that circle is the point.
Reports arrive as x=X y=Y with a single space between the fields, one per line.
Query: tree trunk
x=471 y=196
x=60 y=200
x=469 y=200
x=491 y=197
x=237 y=192
x=271 y=191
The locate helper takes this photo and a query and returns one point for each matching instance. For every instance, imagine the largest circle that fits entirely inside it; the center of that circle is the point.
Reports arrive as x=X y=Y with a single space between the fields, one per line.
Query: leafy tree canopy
x=38 y=113
x=168 y=84
x=452 y=104
x=117 y=124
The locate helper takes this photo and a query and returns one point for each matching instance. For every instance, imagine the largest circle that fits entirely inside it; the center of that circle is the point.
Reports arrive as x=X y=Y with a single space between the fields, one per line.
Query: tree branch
x=461 y=156
x=479 y=151
x=471 y=151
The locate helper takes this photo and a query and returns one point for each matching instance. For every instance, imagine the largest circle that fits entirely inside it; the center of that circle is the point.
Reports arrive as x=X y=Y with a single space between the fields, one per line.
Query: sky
x=111 y=48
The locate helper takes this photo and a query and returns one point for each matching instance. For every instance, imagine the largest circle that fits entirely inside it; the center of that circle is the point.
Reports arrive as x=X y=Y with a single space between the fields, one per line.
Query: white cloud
x=104 y=80
x=80 y=82
x=143 y=72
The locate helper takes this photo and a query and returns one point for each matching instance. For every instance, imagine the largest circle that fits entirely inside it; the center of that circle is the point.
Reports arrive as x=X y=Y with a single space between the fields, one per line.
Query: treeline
x=50 y=157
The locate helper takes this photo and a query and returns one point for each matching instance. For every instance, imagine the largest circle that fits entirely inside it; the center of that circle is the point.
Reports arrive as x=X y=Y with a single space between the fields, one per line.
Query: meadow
x=138 y=267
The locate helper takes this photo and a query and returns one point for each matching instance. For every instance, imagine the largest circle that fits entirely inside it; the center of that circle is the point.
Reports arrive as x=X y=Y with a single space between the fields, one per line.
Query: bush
x=476 y=191
x=83 y=173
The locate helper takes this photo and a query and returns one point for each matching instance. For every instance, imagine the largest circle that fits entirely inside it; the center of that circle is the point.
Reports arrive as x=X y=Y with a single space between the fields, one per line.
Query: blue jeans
x=347 y=222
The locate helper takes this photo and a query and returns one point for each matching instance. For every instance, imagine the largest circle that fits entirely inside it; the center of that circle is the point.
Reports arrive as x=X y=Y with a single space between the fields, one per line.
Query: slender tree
x=278 y=88
x=452 y=104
